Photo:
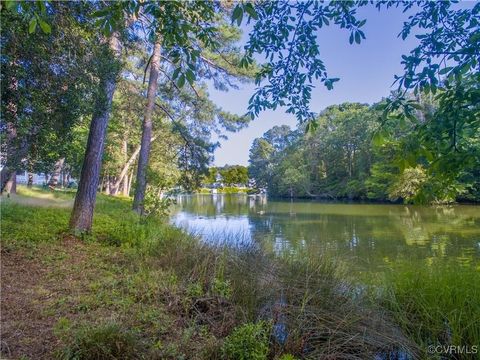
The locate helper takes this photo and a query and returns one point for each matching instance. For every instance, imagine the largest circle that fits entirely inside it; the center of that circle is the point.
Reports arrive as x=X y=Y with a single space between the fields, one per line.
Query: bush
x=108 y=341
x=154 y=204
x=247 y=342
x=287 y=357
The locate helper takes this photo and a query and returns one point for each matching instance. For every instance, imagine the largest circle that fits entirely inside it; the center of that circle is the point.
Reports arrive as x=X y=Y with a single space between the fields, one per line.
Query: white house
x=22 y=178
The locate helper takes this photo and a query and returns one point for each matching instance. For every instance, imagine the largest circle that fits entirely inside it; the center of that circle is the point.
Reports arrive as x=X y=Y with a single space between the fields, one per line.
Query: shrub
x=247 y=342
x=154 y=204
x=108 y=341
x=287 y=357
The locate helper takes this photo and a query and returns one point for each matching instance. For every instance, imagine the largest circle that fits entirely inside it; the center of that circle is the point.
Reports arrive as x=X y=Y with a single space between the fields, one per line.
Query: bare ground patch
x=28 y=290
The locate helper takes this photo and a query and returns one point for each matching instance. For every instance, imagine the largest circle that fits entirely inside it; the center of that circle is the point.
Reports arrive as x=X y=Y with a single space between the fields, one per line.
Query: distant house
x=37 y=179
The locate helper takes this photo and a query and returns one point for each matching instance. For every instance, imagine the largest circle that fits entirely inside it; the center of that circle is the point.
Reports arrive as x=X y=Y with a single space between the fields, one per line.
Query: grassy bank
x=144 y=289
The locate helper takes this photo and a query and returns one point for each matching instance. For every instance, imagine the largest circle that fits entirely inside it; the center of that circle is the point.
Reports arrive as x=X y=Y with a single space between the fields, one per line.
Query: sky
x=366 y=73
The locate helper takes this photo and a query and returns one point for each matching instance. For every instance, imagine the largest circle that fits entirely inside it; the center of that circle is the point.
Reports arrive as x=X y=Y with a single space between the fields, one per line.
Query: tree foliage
x=344 y=158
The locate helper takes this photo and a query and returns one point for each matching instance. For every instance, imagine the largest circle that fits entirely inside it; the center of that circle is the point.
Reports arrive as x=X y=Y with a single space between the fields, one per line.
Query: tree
x=234 y=175
x=188 y=53
x=211 y=177
x=82 y=213
x=44 y=92
x=147 y=129
x=286 y=33
x=265 y=154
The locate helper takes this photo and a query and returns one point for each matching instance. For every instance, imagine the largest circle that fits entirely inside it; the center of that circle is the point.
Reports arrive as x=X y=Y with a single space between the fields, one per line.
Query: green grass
x=436 y=304
x=106 y=341
x=23 y=227
x=144 y=286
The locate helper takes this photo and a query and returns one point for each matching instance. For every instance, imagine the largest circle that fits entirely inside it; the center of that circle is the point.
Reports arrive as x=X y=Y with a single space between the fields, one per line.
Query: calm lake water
x=368 y=237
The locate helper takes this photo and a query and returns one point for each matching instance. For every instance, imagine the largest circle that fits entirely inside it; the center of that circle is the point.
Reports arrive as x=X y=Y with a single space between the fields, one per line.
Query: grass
x=107 y=341
x=140 y=288
x=438 y=304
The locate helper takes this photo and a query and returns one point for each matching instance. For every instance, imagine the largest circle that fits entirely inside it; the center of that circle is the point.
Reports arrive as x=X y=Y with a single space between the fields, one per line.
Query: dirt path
x=27 y=291
x=25 y=329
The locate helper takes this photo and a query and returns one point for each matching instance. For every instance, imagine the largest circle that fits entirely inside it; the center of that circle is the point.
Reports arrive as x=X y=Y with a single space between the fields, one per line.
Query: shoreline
x=154 y=290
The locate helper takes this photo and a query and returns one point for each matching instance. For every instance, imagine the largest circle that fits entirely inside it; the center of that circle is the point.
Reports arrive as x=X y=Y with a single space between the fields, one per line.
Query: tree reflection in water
x=370 y=237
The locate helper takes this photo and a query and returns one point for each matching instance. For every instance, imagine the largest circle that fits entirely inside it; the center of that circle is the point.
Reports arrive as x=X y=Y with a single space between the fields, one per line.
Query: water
x=367 y=237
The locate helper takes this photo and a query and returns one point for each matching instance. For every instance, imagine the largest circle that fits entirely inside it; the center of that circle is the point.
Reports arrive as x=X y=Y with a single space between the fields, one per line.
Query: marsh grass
x=436 y=304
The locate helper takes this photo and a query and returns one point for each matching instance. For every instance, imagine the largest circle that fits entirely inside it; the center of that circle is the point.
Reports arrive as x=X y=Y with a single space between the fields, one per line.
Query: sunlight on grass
x=36 y=196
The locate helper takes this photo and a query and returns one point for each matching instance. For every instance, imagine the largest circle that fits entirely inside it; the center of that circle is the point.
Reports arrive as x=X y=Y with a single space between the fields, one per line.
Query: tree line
x=229 y=175
x=354 y=152
x=116 y=93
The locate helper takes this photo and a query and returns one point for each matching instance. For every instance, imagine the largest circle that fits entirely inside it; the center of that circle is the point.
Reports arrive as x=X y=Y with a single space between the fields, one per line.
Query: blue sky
x=366 y=73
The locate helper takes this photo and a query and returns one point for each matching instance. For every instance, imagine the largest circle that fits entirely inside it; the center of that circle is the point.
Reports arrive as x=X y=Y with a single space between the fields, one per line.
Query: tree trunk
x=14 y=159
x=147 y=131
x=107 y=186
x=11 y=98
x=52 y=184
x=130 y=179
x=30 y=180
x=11 y=185
x=116 y=185
x=82 y=213
x=126 y=167
x=64 y=178
x=125 y=188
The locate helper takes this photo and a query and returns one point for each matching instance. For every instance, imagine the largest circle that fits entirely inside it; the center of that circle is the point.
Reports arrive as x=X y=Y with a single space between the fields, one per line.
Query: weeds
x=105 y=341
x=248 y=342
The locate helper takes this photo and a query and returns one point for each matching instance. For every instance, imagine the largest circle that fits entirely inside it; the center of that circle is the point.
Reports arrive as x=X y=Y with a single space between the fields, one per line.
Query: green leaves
x=190 y=76
x=237 y=14
x=180 y=76
x=10 y=5
x=240 y=9
x=311 y=126
x=448 y=35
x=445 y=70
x=44 y=26
x=378 y=139
x=356 y=36
x=36 y=11
x=176 y=72
x=251 y=11
x=181 y=81
x=329 y=83
x=32 y=25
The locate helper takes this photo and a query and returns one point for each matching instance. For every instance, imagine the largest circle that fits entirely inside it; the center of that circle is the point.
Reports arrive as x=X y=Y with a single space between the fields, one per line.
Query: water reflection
x=368 y=236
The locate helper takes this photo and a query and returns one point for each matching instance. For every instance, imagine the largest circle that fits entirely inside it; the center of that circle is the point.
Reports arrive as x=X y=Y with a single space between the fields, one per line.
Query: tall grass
x=437 y=304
